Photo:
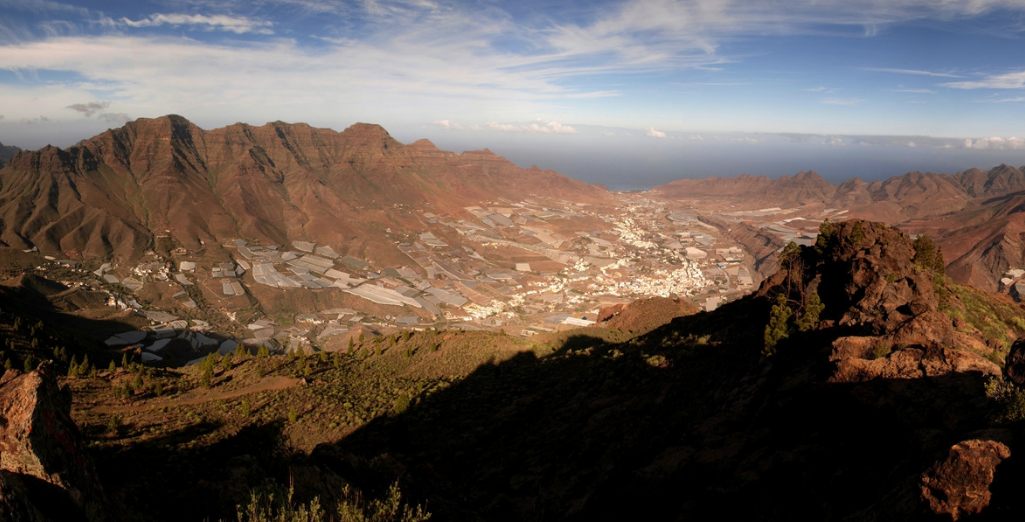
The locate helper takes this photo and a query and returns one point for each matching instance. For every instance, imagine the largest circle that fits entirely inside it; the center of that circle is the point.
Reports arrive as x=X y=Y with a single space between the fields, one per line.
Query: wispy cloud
x=88 y=109
x=842 y=101
x=652 y=133
x=913 y=91
x=540 y=128
x=115 y=117
x=237 y=25
x=914 y=72
x=41 y=119
x=1014 y=80
x=446 y=124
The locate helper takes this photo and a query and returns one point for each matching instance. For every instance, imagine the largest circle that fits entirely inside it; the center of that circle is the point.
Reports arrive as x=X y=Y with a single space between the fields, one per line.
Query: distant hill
x=977 y=216
x=7 y=152
x=912 y=195
x=113 y=194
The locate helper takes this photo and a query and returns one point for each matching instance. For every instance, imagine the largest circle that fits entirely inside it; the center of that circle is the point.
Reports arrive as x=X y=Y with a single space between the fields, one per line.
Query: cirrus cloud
x=237 y=25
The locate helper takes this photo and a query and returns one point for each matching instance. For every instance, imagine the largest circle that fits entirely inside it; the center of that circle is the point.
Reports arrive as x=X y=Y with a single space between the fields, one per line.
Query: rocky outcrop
x=886 y=305
x=860 y=359
x=45 y=470
x=959 y=484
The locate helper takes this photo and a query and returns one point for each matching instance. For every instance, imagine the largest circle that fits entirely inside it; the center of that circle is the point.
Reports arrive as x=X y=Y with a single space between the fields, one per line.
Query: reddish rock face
x=43 y=461
x=111 y=194
x=959 y=484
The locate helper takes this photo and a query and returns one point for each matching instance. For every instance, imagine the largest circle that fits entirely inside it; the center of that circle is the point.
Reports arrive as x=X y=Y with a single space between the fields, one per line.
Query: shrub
x=354 y=507
x=1010 y=397
x=401 y=403
x=882 y=349
x=114 y=425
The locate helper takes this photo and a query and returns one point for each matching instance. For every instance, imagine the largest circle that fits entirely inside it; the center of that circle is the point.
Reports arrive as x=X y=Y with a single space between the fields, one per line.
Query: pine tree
x=246 y=407
x=857 y=234
x=30 y=363
x=939 y=264
x=207 y=377
x=72 y=366
x=124 y=360
x=925 y=252
x=777 y=329
x=112 y=368
x=293 y=416
x=809 y=319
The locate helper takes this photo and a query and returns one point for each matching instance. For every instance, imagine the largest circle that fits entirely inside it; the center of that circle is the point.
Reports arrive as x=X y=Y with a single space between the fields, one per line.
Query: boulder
x=958 y=485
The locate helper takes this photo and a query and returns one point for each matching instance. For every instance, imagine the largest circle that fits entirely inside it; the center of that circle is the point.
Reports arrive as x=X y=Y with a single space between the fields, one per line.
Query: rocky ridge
x=114 y=193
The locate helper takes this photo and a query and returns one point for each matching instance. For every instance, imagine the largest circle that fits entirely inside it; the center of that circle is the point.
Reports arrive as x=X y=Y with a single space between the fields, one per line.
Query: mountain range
x=113 y=194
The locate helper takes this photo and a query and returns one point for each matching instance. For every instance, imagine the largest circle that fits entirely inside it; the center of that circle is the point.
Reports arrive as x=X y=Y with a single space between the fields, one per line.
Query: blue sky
x=628 y=93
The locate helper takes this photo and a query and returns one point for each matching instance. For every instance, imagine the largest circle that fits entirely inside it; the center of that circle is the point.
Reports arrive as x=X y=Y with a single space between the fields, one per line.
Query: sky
x=626 y=93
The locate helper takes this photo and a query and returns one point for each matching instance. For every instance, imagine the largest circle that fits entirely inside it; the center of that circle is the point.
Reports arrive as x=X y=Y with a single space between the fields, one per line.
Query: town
x=518 y=267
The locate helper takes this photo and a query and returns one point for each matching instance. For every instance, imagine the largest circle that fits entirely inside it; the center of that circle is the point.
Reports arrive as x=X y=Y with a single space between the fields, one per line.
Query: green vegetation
x=857 y=234
x=354 y=507
x=114 y=425
x=809 y=318
x=928 y=256
x=1009 y=397
x=880 y=350
x=997 y=317
x=778 y=327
